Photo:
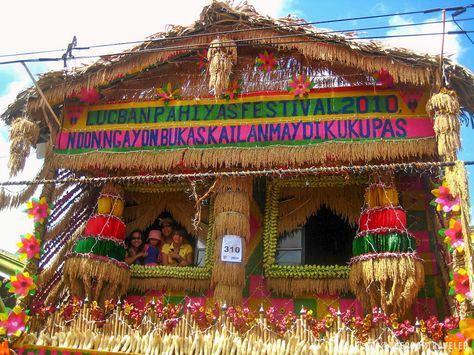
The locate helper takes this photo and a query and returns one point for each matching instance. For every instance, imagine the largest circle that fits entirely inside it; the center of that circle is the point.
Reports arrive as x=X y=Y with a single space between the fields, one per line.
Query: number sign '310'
x=231 y=249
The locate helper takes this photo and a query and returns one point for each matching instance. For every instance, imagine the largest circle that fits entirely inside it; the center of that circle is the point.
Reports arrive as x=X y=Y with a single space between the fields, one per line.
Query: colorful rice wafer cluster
x=97 y=257
x=385 y=269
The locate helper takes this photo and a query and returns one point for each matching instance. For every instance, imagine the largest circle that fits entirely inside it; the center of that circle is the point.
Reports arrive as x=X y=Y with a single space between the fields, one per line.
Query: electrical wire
x=250 y=39
x=297 y=25
x=239 y=43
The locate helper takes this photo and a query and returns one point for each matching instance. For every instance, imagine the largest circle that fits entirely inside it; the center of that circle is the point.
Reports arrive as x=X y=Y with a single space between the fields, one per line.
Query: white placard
x=231 y=249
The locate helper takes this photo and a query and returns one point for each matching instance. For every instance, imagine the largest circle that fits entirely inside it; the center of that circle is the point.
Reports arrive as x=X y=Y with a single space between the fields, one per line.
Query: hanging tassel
x=23 y=135
x=222 y=56
x=444 y=108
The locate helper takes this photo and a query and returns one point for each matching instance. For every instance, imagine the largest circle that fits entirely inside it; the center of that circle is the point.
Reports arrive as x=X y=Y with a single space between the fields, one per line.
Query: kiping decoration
x=95 y=267
x=266 y=62
x=385 y=270
x=453 y=237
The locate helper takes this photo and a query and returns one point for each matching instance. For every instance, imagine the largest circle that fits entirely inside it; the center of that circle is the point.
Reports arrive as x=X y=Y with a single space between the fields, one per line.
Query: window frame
x=183 y=272
x=270 y=234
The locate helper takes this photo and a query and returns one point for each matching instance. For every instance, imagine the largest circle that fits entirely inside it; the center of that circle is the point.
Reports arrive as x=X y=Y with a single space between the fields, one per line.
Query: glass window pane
x=200 y=256
x=292 y=239
x=288 y=257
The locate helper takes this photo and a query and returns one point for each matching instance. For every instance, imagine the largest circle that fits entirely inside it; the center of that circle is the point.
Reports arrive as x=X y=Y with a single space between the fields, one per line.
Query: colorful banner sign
x=254 y=120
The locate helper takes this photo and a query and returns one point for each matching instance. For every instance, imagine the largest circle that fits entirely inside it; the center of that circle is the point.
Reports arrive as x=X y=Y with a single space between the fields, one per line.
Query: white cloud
x=425 y=44
x=378 y=9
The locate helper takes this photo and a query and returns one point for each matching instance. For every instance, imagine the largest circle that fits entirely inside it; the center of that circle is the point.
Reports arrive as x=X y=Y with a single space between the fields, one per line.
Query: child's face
x=154 y=241
x=177 y=239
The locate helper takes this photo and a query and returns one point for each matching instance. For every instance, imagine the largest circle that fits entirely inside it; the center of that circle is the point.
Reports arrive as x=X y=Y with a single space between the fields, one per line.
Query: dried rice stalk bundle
x=302 y=287
x=222 y=56
x=444 y=107
x=23 y=135
x=231 y=201
x=230 y=218
x=95 y=278
x=233 y=223
x=391 y=283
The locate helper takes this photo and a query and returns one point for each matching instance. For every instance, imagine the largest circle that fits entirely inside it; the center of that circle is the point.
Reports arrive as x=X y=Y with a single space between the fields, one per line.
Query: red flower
x=266 y=62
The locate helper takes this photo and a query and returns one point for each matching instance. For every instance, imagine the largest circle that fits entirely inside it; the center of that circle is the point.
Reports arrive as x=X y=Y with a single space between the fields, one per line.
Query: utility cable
x=264 y=28
x=242 y=42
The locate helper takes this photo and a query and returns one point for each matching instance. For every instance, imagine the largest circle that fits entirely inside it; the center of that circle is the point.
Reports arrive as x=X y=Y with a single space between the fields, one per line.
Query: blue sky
x=58 y=25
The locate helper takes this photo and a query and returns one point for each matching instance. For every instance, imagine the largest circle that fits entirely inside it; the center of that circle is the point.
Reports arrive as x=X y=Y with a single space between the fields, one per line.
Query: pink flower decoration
x=21 y=284
x=29 y=247
x=445 y=201
x=300 y=85
x=461 y=282
x=454 y=232
x=89 y=95
x=15 y=322
x=266 y=62
x=383 y=79
x=38 y=210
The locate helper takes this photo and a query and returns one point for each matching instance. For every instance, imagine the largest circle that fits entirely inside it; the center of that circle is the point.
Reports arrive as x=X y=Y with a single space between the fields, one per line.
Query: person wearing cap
x=167 y=225
x=152 y=248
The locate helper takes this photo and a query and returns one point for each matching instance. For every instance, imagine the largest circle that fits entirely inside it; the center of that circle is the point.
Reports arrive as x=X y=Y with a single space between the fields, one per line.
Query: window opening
x=325 y=239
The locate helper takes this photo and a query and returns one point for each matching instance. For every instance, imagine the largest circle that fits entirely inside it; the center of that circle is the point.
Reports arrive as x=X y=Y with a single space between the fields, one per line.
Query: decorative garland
x=14 y=321
x=450 y=207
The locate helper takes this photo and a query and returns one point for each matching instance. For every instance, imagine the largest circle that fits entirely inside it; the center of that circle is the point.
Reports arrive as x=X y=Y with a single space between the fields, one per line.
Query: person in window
x=167 y=225
x=152 y=248
x=179 y=252
x=136 y=252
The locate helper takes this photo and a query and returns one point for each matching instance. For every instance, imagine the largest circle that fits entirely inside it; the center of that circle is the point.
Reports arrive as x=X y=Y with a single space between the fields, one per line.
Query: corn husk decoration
x=95 y=268
x=23 y=135
x=385 y=269
x=222 y=56
x=232 y=217
x=445 y=110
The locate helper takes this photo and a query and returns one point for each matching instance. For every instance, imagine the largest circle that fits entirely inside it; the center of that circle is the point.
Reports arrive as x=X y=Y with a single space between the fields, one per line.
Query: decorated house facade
x=300 y=162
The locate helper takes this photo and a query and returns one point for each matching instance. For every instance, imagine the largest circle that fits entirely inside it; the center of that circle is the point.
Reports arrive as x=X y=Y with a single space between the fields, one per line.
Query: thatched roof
x=248 y=28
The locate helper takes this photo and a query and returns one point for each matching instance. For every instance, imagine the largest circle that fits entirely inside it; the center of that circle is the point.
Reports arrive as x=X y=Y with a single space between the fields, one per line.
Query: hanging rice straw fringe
x=391 y=283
